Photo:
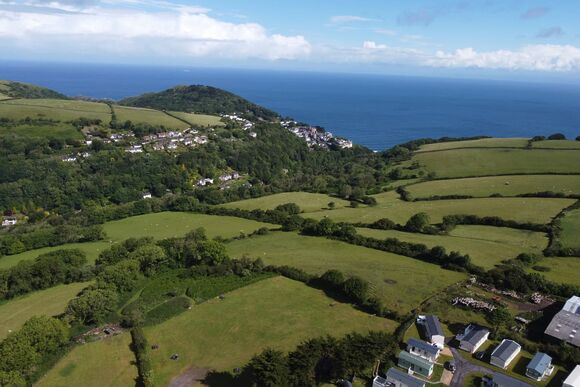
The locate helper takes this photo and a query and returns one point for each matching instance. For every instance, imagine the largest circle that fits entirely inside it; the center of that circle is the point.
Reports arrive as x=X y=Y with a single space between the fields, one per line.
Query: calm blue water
x=376 y=111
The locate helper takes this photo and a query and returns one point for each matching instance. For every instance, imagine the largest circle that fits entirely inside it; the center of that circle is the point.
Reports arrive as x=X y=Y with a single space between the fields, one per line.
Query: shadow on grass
x=226 y=379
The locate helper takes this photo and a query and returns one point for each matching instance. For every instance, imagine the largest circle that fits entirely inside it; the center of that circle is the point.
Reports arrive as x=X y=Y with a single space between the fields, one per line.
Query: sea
x=377 y=111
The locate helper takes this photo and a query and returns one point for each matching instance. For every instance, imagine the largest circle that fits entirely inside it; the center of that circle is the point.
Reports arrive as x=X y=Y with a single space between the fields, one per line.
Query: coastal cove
x=373 y=110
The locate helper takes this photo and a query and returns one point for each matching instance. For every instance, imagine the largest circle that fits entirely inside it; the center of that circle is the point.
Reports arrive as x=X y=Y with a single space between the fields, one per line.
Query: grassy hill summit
x=11 y=89
x=198 y=99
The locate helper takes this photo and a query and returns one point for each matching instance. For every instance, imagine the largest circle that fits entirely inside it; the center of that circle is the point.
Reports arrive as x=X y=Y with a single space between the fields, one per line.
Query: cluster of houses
x=75 y=157
x=223 y=179
x=167 y=140
x=316 y=136
x=243 y=122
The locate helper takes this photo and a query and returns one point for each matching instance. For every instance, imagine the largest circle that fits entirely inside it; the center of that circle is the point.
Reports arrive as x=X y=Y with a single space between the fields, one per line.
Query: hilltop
x=11 y=89
x=199 y=99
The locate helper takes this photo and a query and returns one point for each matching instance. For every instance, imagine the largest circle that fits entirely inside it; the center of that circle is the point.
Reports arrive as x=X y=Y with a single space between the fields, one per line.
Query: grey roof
x=417 y=360
x=426 y=347
x=565 y=326
x=502 y=380
x=505 y=350
x=540 y=363
x=475 y=335
x=404 y=378
x=433 y=326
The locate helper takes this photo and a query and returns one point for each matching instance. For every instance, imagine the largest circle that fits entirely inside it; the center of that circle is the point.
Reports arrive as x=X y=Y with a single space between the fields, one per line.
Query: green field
x=482 y=143
x=147 y=116
x=570 y=236
x=537 y=210
x=199 y=119
x=307 y=201
x=223 y=334
x=504 y=185
x=49 y=302
x=557 y=144
x=107 y=362
x=55 y=109
x=562 y=269
x=59 y=130
x=92 y=249
x=400 y=282
x=487 y=162
x=159 y=225
x=487 y=246
x=163 y=225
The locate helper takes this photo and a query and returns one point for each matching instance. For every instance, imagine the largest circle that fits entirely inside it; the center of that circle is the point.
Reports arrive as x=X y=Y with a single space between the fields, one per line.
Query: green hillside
x=13 y=89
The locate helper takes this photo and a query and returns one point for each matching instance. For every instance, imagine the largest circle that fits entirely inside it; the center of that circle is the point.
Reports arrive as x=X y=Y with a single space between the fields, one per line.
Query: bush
x=140 y=347
x=556 y=136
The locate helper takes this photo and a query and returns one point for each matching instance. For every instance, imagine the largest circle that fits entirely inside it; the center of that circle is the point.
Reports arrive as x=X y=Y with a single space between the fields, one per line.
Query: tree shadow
x=227 y=379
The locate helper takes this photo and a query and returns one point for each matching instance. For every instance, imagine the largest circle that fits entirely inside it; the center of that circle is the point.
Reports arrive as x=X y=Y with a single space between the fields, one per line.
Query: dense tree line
x=450 y=221
x=50 y=269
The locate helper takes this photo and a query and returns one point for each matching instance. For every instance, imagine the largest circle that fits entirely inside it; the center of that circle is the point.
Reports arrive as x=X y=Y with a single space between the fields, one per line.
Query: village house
x=9 y=221
x=415 y=364
x=69 y=159
x=425 y=350
x=135 y=149
x=472 y=338
x=229 y=176
x=397 y=378
x=539 y=367
x=147 y=195
x=505 y=353
x=432 y=330
x=573 y=380
x=204 y=182
x=566 y=323
x=501 y=380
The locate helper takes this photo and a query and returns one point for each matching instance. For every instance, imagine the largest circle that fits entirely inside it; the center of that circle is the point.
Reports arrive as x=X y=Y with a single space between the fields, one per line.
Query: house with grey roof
x=539 y=367
x=425 y=350
x=472 y=338
x=432 y=330
x=565 y=325
x=505 y=353
x=573 y=380
x=501 y=380
x=398 y=378
x=415 y=364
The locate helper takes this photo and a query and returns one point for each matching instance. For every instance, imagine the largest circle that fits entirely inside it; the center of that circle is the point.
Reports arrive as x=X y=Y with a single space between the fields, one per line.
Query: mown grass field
x=158 y=225
x=103 y=363
x=487 y=162
x=570 y=236
x=487 y=246
x=163 y=225
x=562 y=269
x=400 y=282
x=55 y=109
x=49 y=302
x=223 y=334
x=308 y=202
x=199 y=119
x=59 y=130
x=147 y=116
x=481 y=143
x=504 y=185
x=537 y=210
x=559 y=144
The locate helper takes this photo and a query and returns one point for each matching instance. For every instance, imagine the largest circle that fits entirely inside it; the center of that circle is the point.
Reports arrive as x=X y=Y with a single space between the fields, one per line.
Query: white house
x=147 y=195
x=573 y=380
x=472 y=338
x=432 y=330
x=9 y=221
x=504 y=353
x=425 y=350
x=204 y=182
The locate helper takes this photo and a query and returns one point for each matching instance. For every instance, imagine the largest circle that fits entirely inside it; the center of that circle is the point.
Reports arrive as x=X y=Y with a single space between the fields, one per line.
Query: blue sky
x=479 y=38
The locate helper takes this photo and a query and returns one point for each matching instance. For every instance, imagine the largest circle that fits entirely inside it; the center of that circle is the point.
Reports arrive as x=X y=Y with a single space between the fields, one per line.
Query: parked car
x=450 y=365
x=480 y=355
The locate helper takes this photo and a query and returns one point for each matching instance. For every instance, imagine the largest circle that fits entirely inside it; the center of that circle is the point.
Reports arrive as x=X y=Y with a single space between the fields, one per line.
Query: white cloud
x=539 y=57
x=340 y=19
x=185 y=32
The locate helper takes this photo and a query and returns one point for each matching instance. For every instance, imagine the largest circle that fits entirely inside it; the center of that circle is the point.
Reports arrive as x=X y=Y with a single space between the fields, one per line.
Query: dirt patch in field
x=189 y=377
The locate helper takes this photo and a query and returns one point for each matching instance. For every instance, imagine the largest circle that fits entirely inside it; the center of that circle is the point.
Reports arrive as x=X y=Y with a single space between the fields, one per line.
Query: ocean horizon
x=377 y=111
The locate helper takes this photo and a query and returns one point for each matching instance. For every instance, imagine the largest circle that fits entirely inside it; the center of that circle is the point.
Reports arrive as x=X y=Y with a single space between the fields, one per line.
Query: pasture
x=562 y=269
x=107 y=362
x=557 y=144
x=536 y=210
x=58 y=130
x=481 y=143
x=571 y=229
x=487 y=246
x=389 y=274
x=54 y=109
x=503 y=185
x=199 y=119
x=147 y=116
x=308 y=202
x=224 y=334
x=50 y=302
x=163 y=225
x=488 y=162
